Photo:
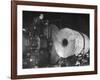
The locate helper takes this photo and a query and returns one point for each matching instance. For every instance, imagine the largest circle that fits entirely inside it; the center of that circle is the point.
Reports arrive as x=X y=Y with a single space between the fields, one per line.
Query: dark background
x=79 y=22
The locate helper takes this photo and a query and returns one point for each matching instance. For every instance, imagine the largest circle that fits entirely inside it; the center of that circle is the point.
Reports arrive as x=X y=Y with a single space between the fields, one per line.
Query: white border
x=21 y=71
